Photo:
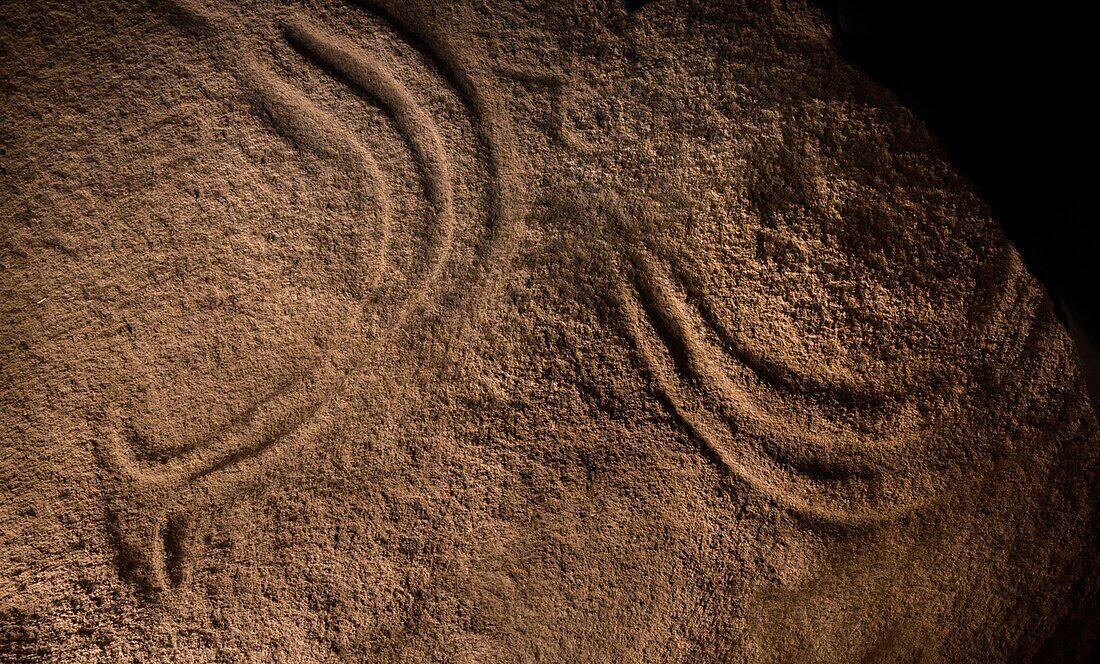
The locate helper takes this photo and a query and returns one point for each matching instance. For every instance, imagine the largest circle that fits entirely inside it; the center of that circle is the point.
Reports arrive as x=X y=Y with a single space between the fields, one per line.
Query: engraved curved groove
x=298 y=119
x=832 y=384
x=998 y=307
x=264 y=424
x=673 y=322
x=209 y=438
x=993 y=300
x=148 y=502
x=811 y=474
x=502 y=213
x=149 y=506
x=758 y=472
x=813 y=455
x=364 y=72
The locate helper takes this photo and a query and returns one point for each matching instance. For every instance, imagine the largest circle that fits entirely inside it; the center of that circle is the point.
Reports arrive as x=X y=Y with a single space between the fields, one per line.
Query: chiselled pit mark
x=150 y=501
x=555 y=87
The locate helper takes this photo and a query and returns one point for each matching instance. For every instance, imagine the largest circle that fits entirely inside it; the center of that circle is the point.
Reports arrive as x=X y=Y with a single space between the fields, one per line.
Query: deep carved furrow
x=742 y=463
x=863 y=454
x=776 y=374
x=492 y=149
x=312 y=129
x=828 y=475
x=796 y=467
x=150 y=502
x=368 y=75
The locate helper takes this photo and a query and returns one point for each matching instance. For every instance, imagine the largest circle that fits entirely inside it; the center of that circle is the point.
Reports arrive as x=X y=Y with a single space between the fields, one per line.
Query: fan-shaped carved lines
x=364 y=72
x=493 y=150
x=827 y=383
x=681 y=329
x=313 y=129
x=832 y=476
x=757 y=472
x=144 y=493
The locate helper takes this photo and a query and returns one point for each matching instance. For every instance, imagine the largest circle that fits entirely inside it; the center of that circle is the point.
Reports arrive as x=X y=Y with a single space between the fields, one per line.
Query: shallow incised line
x=492 y=148
x=297 y=119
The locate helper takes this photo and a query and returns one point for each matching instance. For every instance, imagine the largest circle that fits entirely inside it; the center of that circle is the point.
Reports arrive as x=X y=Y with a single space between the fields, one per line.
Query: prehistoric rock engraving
x=827 y=473
x=369 y=76
x=149 y=501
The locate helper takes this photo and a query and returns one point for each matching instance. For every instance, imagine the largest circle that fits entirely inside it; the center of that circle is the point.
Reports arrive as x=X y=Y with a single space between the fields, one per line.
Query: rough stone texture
x=507 y=331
